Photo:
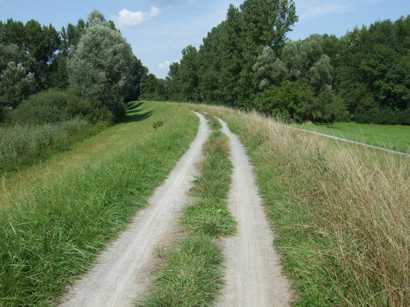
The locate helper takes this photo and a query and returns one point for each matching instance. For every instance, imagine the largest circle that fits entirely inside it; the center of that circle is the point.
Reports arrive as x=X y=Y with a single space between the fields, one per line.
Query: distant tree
x=15 y=84
x=222 y=71
x=38 y=43
x=101 y=67
x=269 y=70
x=153 y=88
x=263 y=23
x=321 y=74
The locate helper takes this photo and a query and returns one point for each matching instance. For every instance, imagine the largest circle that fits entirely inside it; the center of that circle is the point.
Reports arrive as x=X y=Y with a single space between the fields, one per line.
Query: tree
x=221 y=71
x=153 y=88
x=15 y=84
x=269 y=70
x=263 y=23
x=321 y=74
x=101 y=67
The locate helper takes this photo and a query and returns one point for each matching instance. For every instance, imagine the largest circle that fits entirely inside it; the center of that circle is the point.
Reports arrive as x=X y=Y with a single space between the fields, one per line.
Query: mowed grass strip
x=341 y=213
x=51 y=236
x=387 y=136
x=193 y=271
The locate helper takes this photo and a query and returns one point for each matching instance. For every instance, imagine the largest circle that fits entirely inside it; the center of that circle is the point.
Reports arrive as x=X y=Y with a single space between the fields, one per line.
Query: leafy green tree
x=101 y=67
x=264 y=23
x=269 y=69
x=321 y=74
x=15 y=84
x=153 y=88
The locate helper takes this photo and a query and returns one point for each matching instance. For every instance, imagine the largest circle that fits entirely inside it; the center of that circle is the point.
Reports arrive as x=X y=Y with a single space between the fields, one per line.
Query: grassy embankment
x=79 y=200
x=22 y=146
x=341 y=212
x=392 y=137
x=192 y=271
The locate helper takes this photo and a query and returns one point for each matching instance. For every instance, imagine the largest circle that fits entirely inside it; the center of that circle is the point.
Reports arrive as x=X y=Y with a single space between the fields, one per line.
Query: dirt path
x=122 y=272
x=253 y=273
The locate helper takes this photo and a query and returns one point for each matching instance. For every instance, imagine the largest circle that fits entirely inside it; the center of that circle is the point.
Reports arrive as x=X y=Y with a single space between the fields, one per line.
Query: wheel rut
x=253 y=274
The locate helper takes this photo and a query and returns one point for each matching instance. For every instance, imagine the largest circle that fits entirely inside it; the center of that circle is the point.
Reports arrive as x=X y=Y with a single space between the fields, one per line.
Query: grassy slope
x=96 y=149
x=392 y=137
x=341 y=214
x=192 y=273
x=54 y=232
x=23 y=146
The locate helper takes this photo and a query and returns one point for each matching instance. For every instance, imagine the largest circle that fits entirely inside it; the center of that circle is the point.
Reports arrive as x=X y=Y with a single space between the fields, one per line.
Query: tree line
x=84 y=70
x=247 y=62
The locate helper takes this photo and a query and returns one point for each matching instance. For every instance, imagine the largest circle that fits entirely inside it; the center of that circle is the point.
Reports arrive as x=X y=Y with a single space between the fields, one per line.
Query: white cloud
x=127 y=18
x=164 y=65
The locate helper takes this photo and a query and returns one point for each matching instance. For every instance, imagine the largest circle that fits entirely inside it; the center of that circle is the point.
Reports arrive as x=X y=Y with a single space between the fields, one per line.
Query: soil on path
x=122 y=273
x=253 y=274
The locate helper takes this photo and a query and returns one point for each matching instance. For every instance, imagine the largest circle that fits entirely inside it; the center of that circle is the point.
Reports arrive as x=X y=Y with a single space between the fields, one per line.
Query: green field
x=391 y=137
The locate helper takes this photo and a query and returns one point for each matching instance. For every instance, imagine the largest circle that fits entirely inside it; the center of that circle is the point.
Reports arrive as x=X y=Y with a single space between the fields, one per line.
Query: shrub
x=297 y=101
x=24 y=145
x=55 y=106
x=386 y=117
x=328 y=108
x=291 y=100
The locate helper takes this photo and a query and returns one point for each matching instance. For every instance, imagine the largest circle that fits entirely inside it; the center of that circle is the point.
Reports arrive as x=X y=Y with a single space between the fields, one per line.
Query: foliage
x=222 y=69
x=373 y=68
x=101 y=66
x=15 y=84
x=36 y=45
x=153 y=88
x=362 y=76
x=57 y=105
x=34 y=58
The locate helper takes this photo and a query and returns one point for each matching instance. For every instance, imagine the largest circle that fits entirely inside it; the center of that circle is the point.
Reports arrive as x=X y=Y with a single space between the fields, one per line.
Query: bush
x=55 y=106
x=386 y=117
x=328 y=108
x=291 y=100
x=297 y=101
x=24 y=145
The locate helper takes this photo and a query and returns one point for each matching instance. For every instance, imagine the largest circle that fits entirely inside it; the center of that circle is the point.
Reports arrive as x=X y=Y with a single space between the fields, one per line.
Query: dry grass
x=357 y=201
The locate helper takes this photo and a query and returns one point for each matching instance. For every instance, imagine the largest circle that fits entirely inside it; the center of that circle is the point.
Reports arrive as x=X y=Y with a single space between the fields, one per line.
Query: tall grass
x=342 y=213
x=52 y=236
x=23 y=145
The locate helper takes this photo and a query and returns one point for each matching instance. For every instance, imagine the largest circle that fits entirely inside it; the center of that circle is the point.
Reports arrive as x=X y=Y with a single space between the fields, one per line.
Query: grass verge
x=341 y=213
x=192 y=273
x=52 y=234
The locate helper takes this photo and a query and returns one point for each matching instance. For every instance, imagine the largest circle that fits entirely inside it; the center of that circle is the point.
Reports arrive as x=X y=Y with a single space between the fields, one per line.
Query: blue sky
x=158 y=29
